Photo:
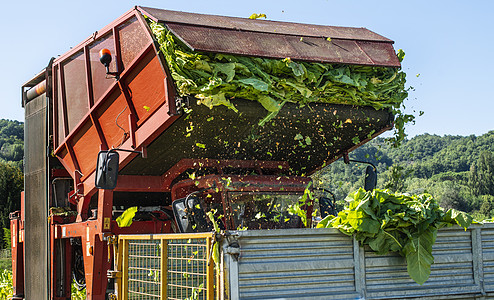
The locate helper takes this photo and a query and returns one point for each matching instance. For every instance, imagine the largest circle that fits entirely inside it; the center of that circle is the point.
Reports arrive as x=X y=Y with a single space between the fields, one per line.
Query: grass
x=5 y=284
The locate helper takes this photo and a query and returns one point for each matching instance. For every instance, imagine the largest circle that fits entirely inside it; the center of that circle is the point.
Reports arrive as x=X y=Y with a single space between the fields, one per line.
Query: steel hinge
x=233 y=251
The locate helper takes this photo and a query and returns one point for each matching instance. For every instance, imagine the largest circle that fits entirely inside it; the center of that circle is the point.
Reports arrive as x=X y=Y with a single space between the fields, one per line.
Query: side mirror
x=370 y=178
x=107 y=170
x=327 y=207
x=189 y=215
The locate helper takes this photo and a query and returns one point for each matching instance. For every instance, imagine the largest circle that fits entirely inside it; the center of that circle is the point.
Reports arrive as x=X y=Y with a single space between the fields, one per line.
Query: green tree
x=11 y=185
x=395 y=178
x=481 y=177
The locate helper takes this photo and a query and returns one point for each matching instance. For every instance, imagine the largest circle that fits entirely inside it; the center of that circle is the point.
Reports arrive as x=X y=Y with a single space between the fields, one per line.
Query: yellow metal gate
x=165 y=266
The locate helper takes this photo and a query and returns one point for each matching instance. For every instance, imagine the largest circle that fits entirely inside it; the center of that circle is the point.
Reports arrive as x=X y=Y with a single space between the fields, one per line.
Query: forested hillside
x=457 y=170
x=11 y=176
x=11 y=142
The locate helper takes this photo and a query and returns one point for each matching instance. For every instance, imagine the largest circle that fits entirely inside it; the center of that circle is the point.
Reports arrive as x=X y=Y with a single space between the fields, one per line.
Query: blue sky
x=449 y=43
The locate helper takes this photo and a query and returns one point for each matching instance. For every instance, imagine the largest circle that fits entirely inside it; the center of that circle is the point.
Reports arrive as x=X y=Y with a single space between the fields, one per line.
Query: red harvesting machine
x=114 y=92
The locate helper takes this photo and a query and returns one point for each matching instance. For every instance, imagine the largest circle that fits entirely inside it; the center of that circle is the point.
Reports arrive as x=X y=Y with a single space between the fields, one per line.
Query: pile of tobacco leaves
x=401 y=223
x=215 y=79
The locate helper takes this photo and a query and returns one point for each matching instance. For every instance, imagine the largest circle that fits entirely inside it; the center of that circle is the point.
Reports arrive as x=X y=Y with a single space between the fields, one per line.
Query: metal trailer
x=76 y=107
x=300 y=264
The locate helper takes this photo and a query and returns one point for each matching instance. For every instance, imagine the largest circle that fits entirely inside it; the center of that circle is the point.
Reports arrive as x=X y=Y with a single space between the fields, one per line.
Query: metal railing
x=165 y=266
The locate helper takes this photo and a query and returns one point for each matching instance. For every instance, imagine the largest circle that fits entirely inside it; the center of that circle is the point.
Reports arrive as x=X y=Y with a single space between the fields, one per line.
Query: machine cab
x=240 y=202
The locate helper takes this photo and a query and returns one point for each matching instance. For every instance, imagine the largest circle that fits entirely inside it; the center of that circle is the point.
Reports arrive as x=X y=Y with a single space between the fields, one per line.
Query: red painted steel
x=95 y=247
x=135 y=110
x=16 y=228
x=258 y=25
x=248 y=183
x=274 y=39
x=297 y=47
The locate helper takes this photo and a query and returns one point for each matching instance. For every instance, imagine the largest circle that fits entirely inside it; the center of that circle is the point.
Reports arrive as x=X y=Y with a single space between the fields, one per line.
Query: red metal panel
x=99 y=82
x=142 y=82
x=133 y=39
x=299 y=47
x=244 y=24
x=63 y=125
x=76 y=96
x=95 y=248
x=147 y=85
x=17 y=258
x=86 y=147
x=129 y=183
x=66 y=159
x=156 y=124
x=113 y=107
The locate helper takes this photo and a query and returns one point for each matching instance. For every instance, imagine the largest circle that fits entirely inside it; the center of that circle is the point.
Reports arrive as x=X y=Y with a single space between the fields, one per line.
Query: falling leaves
x=257 y=16
x=217 y=78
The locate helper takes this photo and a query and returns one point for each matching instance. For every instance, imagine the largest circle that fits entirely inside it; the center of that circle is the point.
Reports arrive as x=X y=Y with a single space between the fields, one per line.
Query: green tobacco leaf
x=210 y=215
x=418 y=254
x=369 y=225
x=297 y=69
x=125 y=219
x=384 y=242
x=326 y=222
x=257 y=16
x=256 y=83
x=210 y=74
x=380 y=243
x=397 y=222
x=358 y=220
x=216 y=100
x=269 y=103
x=227 y=69
x=463 y=219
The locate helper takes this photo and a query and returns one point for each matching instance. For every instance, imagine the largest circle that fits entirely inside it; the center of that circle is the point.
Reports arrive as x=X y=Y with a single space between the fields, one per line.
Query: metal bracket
x=107 y=236
x=113 y=274
x=234 y=250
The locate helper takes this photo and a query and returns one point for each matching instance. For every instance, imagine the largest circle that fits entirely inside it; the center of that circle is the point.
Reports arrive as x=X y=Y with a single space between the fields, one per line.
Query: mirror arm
x=143 y=152
x=347 y=160
x=329 y=192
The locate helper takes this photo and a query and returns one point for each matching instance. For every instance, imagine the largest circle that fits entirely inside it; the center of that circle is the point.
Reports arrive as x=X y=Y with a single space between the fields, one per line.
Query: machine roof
x=242 y=36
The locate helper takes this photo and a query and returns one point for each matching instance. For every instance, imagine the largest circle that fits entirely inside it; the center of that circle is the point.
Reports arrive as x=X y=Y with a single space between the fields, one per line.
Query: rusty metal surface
x=245 y=24
x=316 y=49
x=272 y=39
